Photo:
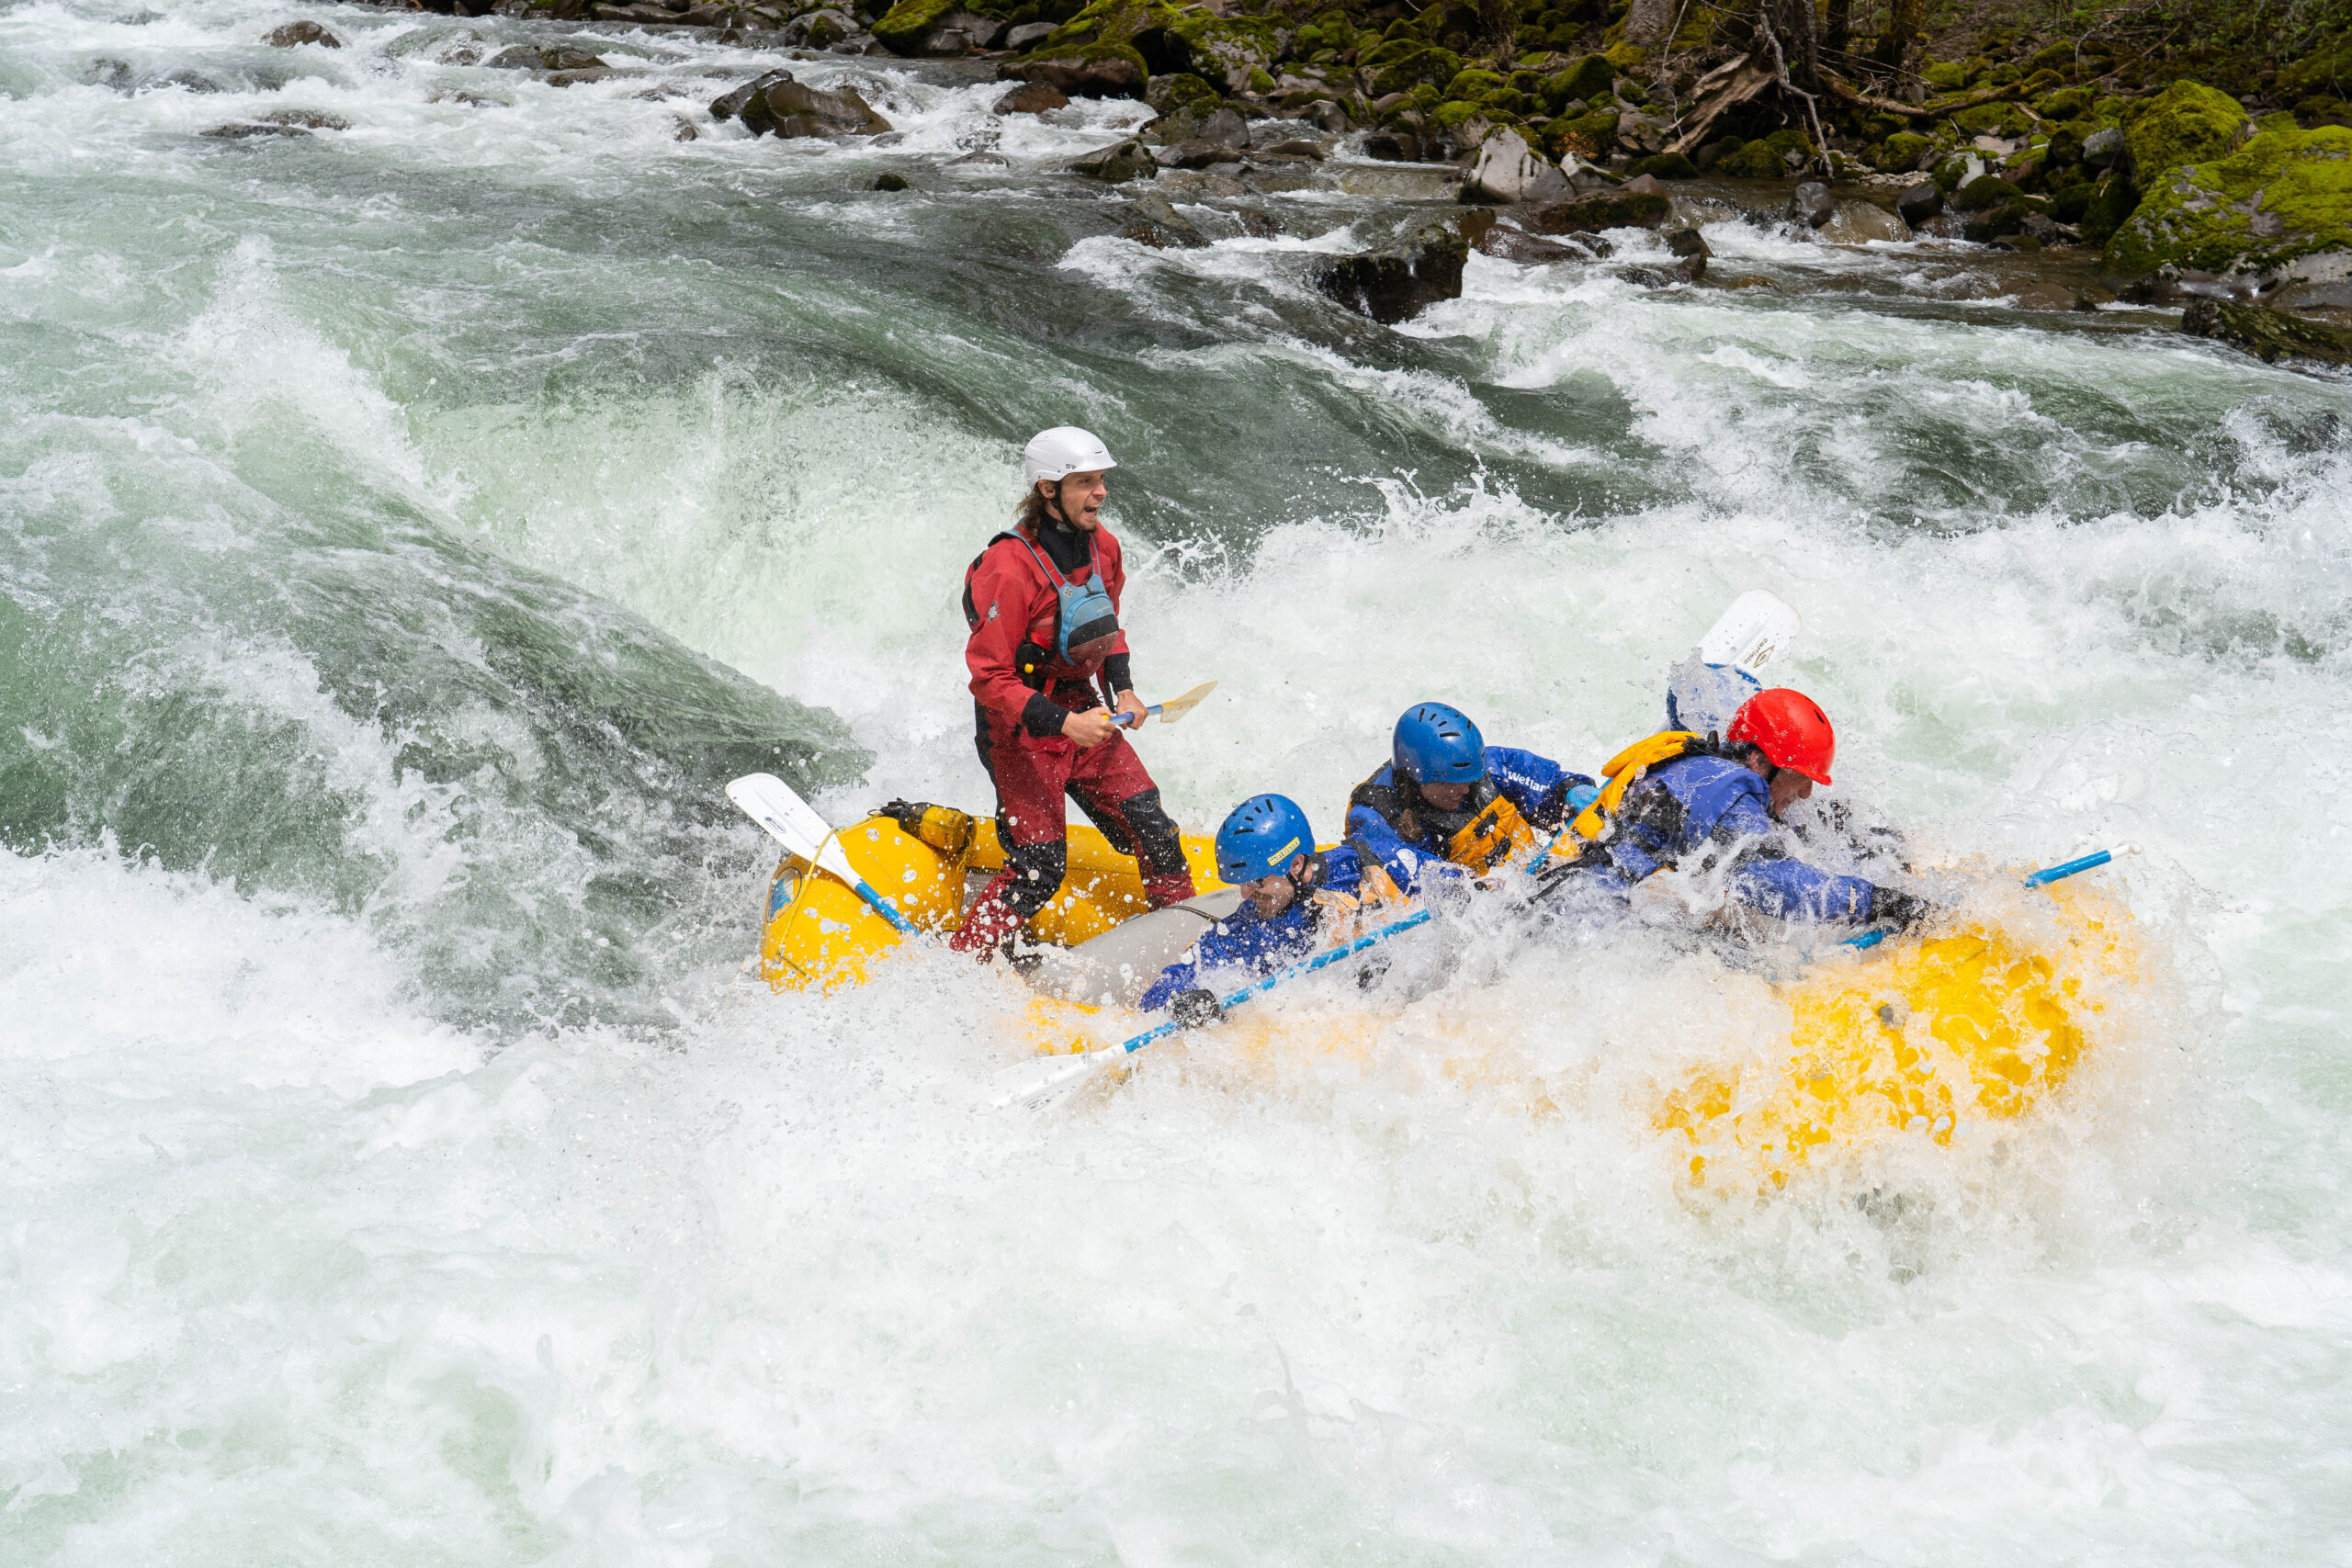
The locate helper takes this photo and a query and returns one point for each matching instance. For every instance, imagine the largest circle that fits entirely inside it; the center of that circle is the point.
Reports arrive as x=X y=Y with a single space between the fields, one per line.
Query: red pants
x=1032 y=775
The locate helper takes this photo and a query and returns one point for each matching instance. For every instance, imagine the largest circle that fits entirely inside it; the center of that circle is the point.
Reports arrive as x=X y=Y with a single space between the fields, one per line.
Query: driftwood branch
x=1854 y=95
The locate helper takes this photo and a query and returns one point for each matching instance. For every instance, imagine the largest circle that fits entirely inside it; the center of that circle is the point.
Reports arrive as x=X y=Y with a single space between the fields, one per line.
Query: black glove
x=1898 y=908
x=907 y=814
x=1196 y=1007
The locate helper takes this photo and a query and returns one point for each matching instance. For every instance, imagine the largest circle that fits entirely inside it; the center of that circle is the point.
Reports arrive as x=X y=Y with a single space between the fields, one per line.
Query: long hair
x=1034 y=511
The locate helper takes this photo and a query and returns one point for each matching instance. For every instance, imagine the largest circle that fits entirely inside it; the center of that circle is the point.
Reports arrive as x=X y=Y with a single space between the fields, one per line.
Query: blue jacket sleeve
x=1406 y=863
x=1241 y=941
x=1537 y=785
x=1787 y=888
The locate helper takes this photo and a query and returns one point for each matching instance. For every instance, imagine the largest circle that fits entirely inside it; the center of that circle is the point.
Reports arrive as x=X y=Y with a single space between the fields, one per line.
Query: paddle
x=1170 y=711
x=1752 y=632
x=2041 y=878
x=794 y=823
x=1035 y=1088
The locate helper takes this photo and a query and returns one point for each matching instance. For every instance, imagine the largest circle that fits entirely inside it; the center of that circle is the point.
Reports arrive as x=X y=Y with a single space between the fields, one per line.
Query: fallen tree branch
x=1854 y=95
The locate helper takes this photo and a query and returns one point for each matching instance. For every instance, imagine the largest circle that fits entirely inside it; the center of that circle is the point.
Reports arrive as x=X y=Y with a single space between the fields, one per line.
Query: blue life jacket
x=1682 y=806
x=1384 y=806
x=1245 y=945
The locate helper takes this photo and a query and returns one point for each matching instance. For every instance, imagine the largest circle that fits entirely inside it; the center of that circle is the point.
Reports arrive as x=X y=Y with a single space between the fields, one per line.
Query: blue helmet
x=1260 y=836
x=1436 y=744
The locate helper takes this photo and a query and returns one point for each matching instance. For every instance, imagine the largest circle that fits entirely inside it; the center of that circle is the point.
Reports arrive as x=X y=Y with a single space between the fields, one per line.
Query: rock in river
x=1508 y=171
x=1393 y=284
x=2272 y=334
x=1812 y=206
x=1032 y=97
x=1129 y=160
x=1601 y=209
x=293 y=34
x=793 y=108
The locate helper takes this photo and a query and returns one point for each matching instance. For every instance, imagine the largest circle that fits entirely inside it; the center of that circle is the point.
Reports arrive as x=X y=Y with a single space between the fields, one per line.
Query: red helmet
x=1790 y=728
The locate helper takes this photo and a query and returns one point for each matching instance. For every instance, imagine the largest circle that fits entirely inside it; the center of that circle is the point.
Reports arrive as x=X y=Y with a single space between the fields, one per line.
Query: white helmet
x=1065 y=449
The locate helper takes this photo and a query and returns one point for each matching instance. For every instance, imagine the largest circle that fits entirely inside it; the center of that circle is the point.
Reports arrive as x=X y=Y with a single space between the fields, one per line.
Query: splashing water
x=404 y=529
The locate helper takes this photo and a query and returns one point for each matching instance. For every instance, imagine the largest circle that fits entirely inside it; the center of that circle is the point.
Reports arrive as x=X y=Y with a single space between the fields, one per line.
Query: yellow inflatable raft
x=1919 y=1037
x=817 y=932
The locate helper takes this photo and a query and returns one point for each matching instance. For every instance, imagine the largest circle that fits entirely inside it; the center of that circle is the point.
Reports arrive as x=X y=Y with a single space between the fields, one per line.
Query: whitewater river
x=405 y=530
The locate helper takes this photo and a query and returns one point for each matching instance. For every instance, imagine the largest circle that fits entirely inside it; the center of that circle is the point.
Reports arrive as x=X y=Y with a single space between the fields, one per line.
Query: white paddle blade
x=1752 y=632
x=1034 y=1086
x=769 y=801
x=1175 y=709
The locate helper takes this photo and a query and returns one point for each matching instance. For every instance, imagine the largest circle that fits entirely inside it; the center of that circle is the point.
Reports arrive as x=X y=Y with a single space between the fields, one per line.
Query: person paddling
x=1676 y=798
x=1447 y=805
x=1042 y=603
x=1297 y=899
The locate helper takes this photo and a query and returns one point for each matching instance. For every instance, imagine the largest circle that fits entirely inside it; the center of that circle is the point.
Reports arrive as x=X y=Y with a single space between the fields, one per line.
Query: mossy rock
x=1899 y=152
x=2066 y=102
x=1473 y=83
x=1588 y=136
x=1949 y=172
x=2005 y=120
x=1627 y=56
x=1106 y=21
x=1588 y=78
x=2187 y=123
x=1946 y=76
x=1984 y=191
x=2111 y=203
x=1754 y=160
x=904 y=27
x=1229 y=46
x=1452 y=113
x=1508 y=103
x=1261 y=81
x=1180 y=90
x=1663 y=167
x=2269 y=334
x=2069 y=203
x=2283 y=195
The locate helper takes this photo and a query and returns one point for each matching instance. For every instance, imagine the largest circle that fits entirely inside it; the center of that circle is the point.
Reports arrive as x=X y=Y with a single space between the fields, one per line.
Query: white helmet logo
x=1065 y=449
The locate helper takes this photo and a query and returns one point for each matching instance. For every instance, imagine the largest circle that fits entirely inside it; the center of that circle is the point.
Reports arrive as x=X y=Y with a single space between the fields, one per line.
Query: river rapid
x=405 y=530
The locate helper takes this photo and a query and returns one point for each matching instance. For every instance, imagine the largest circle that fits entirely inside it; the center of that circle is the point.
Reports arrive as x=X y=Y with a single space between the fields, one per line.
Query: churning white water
x=405 y=529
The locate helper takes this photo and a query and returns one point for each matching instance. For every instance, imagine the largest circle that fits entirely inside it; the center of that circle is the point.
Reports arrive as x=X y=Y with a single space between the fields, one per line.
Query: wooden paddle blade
x=1752 y=632
x=1175 y=709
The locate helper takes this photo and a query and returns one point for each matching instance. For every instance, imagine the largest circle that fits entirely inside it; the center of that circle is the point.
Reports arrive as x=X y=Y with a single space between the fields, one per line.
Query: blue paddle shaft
x=882 y=908
x=2060 y=873
x=2041 y=878
x=1308 y=966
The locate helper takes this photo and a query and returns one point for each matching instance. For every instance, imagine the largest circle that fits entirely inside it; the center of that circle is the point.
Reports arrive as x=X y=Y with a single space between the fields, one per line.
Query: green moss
x=1663 y=167
x=2283 y=195
x=2067 y=103
x=1628 y=56
x=1984 y=191
x=1754 y=160
x=1588 y=78
x=2111 y=203
x=1261 y=80
x=1899 y=152
x=2187 y=123
x=1588 y=136
x=1949 y=174
x=2005 y=120
x=1183 y=90
x=1946 y=76
x=1473 y=83
x=904 y=27
x=1453 y=112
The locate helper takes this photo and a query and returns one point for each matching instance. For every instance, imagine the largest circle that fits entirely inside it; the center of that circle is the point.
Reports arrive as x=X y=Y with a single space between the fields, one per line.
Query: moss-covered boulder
x=2067 y=103
x=2187 y=123
x=2285 y=194
x=1946 y=76
x=2107 y=208
x=1588 y=78
x=1984 y=191
x=904 y=27
x=1601 y=209
x=1473 y=84
x=2005 y=120
x=1663 y=167
x=1587 y=136
x=2272 y=335
x=1236 y=48
x=1898 y=153
x=1765 y=158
